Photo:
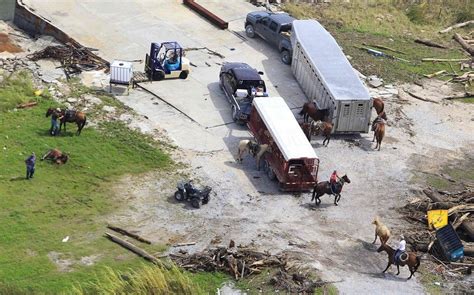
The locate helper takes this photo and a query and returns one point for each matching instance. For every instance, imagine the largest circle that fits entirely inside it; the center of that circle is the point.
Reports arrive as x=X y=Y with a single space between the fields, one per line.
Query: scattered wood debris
x=242 y=262
x=464 y=44
x=27 y=105
x=460 y=206
x=133 y=248
x=73 y=59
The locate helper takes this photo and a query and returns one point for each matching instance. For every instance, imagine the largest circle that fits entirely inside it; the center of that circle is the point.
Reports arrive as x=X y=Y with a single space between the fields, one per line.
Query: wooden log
x=384 y=47
x=127 y=233
x=461 y=208
x=468 y=250
x=27 y=105
x=457 y=97
x=462 y=264
x=461 y=219
x=464 y=44
x=184 y=244
x=133 y=248
x=445 y=59
x=460 y=25
x=429 y=43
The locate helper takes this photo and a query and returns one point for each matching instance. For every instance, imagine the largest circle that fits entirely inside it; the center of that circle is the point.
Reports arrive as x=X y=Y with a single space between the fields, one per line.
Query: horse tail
x=84 y=122
x=303 y=110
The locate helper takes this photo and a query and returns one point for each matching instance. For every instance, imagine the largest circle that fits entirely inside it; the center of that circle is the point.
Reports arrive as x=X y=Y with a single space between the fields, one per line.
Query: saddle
x=336 y=188
x=401 y=258
x=70 y=114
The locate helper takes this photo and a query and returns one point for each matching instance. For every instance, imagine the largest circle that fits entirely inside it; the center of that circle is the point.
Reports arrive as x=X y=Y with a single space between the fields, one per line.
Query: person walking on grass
x=30 y=165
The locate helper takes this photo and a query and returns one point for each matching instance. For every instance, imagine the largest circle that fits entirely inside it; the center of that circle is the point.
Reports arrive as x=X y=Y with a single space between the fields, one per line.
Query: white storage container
x=121 y=72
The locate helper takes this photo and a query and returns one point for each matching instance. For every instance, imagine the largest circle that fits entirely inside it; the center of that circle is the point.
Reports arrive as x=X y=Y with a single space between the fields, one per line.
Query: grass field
x=60 y=201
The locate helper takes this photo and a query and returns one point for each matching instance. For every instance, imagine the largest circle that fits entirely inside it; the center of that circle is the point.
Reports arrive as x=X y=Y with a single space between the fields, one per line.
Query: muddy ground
x=249 y=209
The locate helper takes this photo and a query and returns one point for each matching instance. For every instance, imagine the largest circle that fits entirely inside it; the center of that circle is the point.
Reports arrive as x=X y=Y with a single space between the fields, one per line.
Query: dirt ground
x=249 y=209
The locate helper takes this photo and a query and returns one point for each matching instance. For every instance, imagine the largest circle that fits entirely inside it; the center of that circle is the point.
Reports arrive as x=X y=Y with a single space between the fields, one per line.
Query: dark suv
x=241 y=83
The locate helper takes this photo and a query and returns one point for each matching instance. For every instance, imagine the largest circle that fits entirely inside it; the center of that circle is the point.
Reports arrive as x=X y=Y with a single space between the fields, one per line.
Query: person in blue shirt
x=30 y=165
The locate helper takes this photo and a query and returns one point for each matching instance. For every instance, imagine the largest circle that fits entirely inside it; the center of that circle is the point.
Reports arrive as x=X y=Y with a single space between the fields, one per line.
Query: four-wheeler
x=187 y=192
x=241 y=83
x=166 y=60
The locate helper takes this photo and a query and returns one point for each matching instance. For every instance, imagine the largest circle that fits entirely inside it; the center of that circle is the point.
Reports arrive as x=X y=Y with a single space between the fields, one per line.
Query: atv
x=187 y=192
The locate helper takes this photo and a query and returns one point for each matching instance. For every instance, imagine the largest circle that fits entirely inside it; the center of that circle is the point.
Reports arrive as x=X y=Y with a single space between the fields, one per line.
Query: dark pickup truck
x=274 y=28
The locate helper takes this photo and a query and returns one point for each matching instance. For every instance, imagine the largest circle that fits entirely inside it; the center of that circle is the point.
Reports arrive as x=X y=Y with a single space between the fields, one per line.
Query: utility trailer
x=328 y=79
x=291 y=159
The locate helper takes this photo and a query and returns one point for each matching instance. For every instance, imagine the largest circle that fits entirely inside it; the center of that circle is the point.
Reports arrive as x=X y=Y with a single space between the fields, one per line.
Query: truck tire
x=250 y=31
x=285 y=57
x=183 y=75
x=271 y=174
x=234 y=113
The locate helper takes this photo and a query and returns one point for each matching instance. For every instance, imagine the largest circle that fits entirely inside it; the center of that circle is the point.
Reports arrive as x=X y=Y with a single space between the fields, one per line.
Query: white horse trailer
x=328 y=79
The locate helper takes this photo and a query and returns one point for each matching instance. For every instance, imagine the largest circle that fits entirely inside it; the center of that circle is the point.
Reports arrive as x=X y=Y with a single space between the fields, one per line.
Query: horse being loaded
x=412 y=261
x=310 y=110
x=253 y=148
x=71 y=116
x=378 y=126
x=56 y=156
x=379 y=107
x=324 y=187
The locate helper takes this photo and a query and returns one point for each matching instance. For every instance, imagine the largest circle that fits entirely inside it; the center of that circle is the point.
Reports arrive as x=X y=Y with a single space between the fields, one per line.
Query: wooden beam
x=445 y=59
x=429 y=43
x=129 y=246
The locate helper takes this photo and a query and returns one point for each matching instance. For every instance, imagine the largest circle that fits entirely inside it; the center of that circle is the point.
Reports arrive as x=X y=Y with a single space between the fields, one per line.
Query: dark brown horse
x=309 y=110
x=324 y=187
x=56 y=156
x=70 y=116
x=413 y=261
x=379 y=132
x=323 y=128
x=379 y=108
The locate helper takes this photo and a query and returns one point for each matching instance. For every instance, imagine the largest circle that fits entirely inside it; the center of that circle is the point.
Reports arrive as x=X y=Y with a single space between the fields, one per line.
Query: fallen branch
x=460 y=220
x=127 y=233
x=133 y=248
x=184 y=244
x=461 y=208
x=421 y=98
x=460 y=25
x=385 y=47
x=445 y=59
x=464 y=44
x=457 y=97
x=429 y=43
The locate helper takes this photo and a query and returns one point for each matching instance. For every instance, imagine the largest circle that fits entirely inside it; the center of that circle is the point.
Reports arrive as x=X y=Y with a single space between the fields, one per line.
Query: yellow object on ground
x=38 y=92
x=437 y=218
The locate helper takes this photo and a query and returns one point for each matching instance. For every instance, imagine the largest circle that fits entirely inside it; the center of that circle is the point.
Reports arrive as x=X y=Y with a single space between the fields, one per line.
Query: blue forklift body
x=170 y=59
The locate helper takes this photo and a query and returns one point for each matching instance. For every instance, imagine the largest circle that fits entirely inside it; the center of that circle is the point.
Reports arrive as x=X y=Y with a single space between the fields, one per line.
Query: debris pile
x=10 y=65
x=241 y=262
x=73 y=59
x=460 y=206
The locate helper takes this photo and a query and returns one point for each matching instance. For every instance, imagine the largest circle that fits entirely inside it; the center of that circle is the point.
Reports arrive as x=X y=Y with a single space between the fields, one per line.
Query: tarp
x=283 y=127
x=332 y=65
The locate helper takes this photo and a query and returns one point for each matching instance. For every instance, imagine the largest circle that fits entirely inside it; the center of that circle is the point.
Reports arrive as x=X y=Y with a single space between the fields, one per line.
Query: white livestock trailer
x=328 y=79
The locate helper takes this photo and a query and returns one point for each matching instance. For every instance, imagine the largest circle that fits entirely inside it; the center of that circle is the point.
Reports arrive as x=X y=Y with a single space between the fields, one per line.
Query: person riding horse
x=400 y=250
x=333 y=180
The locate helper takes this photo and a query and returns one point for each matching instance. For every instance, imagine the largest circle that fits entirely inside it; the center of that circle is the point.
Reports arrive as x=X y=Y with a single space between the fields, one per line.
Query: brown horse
x=56 y=156
x=413 y=261
x=379 y=132
x=379 y=108
x=324 y=187
x=309 y=110
x=70 y=116
x=324 y=128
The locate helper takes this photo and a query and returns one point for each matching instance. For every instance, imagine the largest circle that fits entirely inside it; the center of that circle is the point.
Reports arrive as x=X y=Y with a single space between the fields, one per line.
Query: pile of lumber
x=460 y=206
x=241 y=262
x=73 y=59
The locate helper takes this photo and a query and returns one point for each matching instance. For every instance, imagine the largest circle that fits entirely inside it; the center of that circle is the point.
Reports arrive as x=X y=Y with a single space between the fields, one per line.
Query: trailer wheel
x=178 y=196
x=183 y=75
x=285 y=57
x=250 y=31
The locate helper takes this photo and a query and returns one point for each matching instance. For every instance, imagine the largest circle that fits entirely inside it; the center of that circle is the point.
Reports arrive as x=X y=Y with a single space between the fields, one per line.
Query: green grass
x=69 y=200
x=428 y=280
x=393 y=24
x=209 y=281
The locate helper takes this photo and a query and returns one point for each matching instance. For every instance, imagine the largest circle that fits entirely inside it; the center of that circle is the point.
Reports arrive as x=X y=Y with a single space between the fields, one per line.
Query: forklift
x=166 y=60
